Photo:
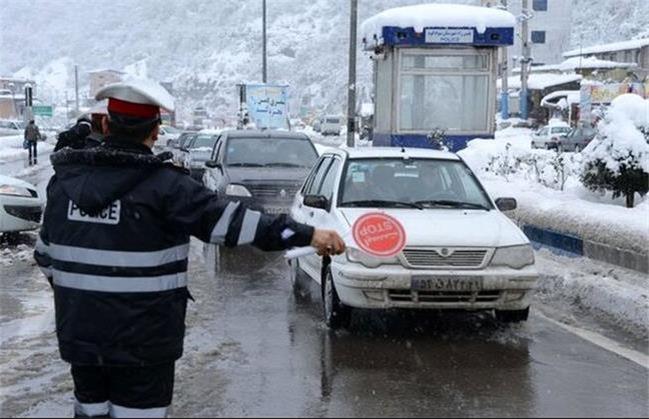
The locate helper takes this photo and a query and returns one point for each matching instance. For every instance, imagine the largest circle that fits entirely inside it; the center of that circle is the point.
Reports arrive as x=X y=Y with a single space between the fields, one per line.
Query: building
x=634 y=51
x=12 y=97
x=102 y=78
x=16 y=85
x=550 y=29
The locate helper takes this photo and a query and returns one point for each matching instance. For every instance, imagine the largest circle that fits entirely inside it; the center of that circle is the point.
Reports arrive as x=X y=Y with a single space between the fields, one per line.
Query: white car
x=21 y=207
x=549 y=137
x=166 y=133
x=461 y=251
x=331 y=125
x=12 y=127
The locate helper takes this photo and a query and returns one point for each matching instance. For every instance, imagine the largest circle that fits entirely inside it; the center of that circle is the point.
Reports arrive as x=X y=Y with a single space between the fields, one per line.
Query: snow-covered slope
x=205 y=47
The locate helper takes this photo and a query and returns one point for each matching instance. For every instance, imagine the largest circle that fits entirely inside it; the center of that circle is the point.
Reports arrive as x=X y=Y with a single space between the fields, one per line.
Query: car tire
x=512 y=316
x=336 y=315
x=295 y=275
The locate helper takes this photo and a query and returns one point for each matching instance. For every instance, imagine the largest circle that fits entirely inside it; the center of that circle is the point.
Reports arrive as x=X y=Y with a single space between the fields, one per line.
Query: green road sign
x=42 y=110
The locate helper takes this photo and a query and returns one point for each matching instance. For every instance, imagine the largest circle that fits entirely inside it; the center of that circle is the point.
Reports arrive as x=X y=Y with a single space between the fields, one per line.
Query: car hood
x=452 y=228
x=253 y=174
x=12 y=181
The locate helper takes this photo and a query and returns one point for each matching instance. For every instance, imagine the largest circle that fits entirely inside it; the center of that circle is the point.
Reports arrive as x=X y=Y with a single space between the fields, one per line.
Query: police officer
x=114 y=245
x=88 y=132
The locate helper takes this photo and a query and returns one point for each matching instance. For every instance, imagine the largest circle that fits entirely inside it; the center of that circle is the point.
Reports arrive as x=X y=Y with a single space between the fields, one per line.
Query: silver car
x=548 y=138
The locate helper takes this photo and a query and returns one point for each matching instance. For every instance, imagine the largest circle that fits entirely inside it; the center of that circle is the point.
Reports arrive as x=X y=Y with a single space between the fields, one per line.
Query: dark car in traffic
x=263 y=169
x=577 y=139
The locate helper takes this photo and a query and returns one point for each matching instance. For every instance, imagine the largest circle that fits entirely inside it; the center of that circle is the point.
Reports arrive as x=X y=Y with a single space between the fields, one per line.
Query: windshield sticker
x=358 y=177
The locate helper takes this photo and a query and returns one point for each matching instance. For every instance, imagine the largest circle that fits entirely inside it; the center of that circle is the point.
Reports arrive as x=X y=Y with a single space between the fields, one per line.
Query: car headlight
x=516 y=257
x=237 y=190
x=369 y=261
x=15 y=191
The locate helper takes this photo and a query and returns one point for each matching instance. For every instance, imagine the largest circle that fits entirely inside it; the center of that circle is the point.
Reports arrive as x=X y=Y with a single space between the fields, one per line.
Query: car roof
x=264 y=134
x=386 y=152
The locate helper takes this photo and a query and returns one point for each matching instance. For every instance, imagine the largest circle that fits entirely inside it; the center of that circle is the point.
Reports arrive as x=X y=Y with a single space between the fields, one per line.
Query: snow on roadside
x=617 y=295
x=575 y=210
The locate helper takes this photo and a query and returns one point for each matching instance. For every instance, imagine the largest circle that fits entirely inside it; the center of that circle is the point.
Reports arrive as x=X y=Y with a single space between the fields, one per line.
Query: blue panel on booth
x=492 y=37
x=454 y=143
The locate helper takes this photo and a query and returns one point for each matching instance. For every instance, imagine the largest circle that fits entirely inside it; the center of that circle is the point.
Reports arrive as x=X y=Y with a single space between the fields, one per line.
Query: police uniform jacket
x=115 y=243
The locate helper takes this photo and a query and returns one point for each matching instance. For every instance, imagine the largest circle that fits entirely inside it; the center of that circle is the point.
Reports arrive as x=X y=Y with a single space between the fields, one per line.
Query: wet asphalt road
x=255 y=349
x=274 y=357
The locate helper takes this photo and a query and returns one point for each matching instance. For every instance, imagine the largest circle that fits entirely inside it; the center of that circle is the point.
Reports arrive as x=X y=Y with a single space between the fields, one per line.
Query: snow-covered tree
x=618 y=159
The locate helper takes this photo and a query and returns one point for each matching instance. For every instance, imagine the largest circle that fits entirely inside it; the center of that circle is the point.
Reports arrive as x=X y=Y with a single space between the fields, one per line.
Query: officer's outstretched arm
x=200 y=213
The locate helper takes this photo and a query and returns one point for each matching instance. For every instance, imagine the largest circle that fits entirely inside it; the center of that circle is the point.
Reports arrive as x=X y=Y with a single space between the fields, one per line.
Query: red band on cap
x=133 y=109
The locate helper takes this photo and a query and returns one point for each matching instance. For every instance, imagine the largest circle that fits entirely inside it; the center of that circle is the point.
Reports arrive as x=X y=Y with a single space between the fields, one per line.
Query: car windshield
x=204 y=141
x=269 y=152
x=171 y=130
x=333 y=121
x=427 y=183
x=560 y=130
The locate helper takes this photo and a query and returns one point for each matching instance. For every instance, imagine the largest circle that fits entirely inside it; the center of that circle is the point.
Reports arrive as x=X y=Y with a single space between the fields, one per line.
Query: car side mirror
x=316 y=201
x=213 y=164
x=506 y=204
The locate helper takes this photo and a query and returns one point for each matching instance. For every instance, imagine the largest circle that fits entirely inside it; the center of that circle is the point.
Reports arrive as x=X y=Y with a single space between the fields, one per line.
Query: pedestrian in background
x=32 y=136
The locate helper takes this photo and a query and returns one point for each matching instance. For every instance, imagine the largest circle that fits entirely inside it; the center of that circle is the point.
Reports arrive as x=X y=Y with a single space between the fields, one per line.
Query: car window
x=314 y=187
x=309 y=180
x=329 y=183
x=415 y=180
x=544 y=131
x=560 y=130
x=270 y=152
x=204 y=141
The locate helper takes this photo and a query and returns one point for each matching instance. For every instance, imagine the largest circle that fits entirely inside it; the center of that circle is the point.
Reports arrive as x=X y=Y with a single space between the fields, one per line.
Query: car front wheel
x=513 y=316
x=336 y=314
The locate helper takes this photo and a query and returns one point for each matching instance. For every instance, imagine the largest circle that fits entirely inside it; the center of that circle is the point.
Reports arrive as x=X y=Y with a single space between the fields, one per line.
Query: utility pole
x=504 y=99
x=351 y=98
x=29 y=102
x=76 y=89
x=525 y=61
x=265 y=40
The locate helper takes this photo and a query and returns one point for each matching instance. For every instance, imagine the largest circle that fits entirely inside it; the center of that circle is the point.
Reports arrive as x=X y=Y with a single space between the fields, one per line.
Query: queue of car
x=561 y=137
x=461 y=252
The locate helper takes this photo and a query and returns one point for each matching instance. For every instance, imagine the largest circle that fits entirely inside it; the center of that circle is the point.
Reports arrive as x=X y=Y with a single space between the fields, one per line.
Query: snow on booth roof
x=422 y=16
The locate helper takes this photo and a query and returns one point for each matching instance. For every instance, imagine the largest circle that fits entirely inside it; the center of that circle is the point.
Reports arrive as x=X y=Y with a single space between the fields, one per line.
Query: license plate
x=276 y=211
x=448 y=283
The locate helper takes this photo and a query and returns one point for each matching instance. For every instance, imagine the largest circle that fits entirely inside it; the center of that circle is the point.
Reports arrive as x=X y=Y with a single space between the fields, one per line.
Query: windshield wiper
x=245 y=165
x=382 y=204
x=454 y=204
x=282 y=165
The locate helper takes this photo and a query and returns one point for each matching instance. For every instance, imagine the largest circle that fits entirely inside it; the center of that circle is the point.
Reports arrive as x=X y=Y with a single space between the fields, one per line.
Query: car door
x=219 y=177
x=307 y=215
x=323 y=218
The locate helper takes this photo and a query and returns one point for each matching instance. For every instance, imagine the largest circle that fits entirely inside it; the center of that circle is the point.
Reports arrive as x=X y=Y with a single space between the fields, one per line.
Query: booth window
x=449 y=92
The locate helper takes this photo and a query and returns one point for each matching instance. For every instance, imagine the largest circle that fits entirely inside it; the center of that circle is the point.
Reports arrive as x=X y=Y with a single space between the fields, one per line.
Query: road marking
x=603 y=342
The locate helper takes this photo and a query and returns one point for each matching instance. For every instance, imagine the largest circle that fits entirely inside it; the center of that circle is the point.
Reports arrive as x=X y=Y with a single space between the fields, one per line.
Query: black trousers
x=123 y=391
x=33 y=152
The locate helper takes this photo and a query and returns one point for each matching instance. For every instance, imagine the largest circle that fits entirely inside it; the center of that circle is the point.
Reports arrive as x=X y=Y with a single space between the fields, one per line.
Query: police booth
x=435 y=73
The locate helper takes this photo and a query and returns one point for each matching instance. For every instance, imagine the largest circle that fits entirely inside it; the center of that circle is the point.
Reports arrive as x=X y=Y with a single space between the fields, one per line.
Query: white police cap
x=137 y=92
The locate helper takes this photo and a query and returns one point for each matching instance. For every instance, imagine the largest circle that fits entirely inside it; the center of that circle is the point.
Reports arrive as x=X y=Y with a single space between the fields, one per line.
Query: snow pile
x=575 y=63
x=424 y=16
